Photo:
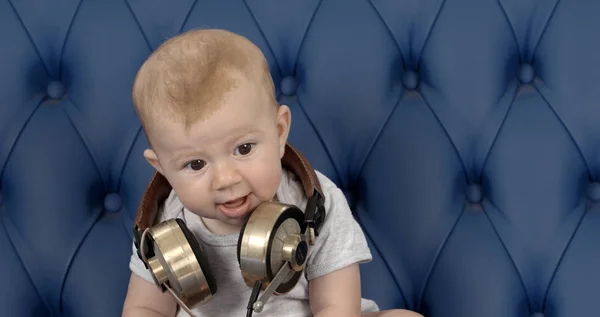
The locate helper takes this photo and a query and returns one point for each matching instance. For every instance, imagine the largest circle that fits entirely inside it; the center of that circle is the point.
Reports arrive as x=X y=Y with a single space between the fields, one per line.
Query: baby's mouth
x=235 y=208
x=235 y=203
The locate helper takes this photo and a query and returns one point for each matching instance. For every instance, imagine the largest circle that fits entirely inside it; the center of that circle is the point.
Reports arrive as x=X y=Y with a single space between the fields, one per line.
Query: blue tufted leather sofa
x=465 y=134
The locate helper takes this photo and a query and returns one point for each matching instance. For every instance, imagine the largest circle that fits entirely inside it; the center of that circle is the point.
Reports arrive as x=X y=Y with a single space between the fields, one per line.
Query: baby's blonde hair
x=186 y=78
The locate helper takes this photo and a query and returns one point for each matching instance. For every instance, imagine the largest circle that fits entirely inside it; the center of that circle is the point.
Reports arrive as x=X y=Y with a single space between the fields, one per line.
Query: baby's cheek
x=269 y=178
x=192 y=197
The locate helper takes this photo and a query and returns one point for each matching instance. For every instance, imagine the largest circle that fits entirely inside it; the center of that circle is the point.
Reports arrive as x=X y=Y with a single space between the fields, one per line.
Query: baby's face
x=229 y=163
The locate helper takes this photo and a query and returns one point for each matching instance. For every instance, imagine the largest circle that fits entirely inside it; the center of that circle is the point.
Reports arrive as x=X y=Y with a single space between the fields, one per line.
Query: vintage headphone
x=272 y=249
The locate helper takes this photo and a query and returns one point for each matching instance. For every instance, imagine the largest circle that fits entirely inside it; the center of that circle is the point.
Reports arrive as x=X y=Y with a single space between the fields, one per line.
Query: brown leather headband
x=159 y=188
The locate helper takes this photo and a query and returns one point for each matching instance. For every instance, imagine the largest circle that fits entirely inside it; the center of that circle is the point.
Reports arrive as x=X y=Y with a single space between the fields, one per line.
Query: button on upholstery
x=474 y=193
x=55 y=90
x=526 y=74
x=594 y=192
x=289 y=85
x=112 y=202
x=410 y=79
x=350 y=196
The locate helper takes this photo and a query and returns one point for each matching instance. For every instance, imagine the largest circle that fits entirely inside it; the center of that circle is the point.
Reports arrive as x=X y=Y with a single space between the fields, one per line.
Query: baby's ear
x=284 y=121
x=152 y=158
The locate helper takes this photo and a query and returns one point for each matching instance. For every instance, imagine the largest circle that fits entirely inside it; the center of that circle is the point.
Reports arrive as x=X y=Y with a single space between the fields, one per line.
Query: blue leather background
x=465 y=134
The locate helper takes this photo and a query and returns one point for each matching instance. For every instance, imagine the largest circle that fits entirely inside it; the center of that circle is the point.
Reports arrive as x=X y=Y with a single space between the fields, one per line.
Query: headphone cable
x=253 y=298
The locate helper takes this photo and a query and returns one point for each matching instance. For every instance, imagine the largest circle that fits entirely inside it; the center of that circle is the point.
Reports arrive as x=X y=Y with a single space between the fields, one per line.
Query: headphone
x=272 y=248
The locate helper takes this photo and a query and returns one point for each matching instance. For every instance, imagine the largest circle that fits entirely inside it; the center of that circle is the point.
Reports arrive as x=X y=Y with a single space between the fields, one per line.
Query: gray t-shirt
x=340 y=243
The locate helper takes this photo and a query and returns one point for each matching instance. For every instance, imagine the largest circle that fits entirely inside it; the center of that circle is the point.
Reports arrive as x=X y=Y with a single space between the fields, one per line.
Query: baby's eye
x=196 y=165
x=244 y=149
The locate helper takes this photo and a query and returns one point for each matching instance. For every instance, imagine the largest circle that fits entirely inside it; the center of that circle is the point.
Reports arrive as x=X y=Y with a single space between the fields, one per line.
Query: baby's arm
x=336 y=294
x=145 y=299
x=333 y=268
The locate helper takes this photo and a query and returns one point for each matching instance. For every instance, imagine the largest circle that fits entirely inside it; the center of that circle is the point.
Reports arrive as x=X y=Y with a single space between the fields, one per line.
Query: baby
x=217 y=134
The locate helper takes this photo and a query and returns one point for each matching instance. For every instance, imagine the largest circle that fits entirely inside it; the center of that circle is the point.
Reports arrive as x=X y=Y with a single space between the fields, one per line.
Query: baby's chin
x=223 y=226
x=217 y=219
x=239 y=221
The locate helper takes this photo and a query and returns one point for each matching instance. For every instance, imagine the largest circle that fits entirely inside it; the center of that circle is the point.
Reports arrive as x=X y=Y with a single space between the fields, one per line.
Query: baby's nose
x=225 y=176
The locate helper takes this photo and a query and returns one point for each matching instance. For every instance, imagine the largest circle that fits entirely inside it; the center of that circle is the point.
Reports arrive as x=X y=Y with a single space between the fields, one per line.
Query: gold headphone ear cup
x=200 y=257
x=180 y=263
x=261 y=243
x=239 y=243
